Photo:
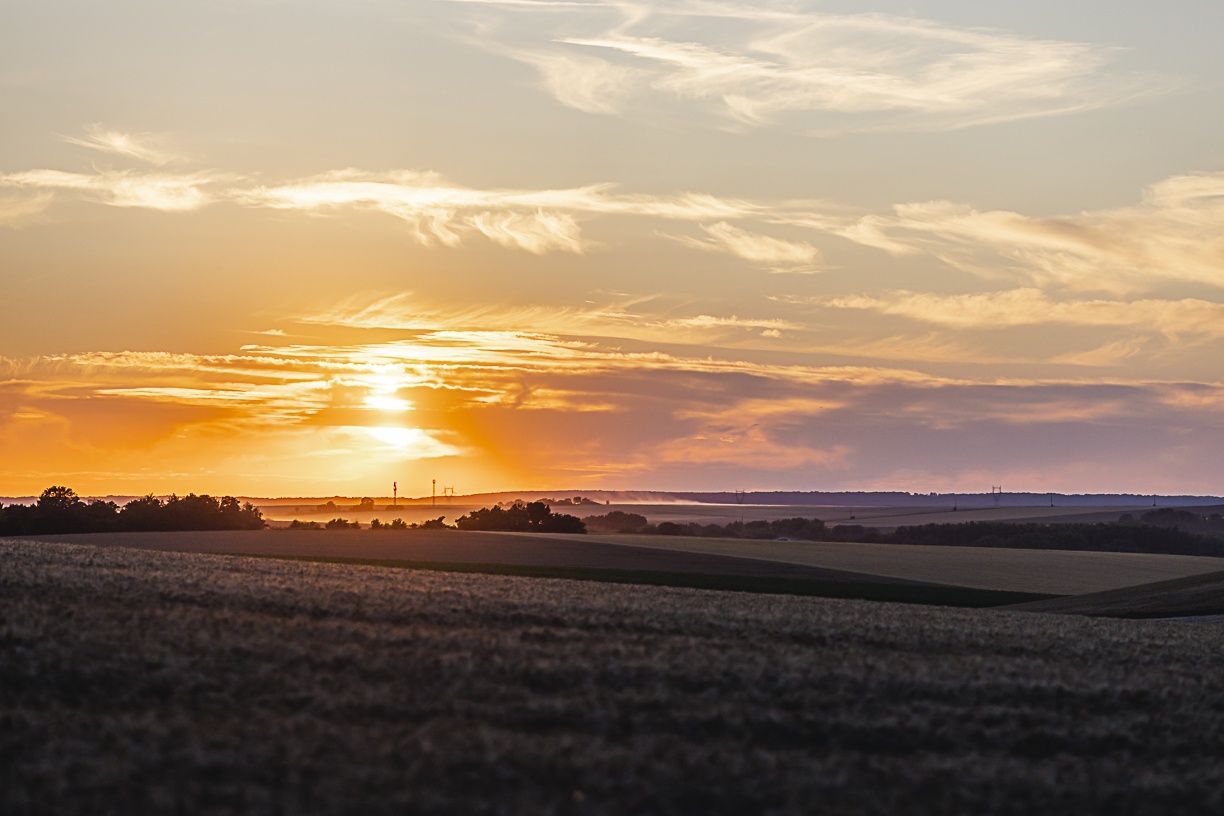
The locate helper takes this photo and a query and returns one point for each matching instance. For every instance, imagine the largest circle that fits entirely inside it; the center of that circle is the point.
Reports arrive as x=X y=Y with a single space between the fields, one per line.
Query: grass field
x=1198 y=595
x=1057 y=572
x=835 y=569
x=582 y=557
x=136 y=681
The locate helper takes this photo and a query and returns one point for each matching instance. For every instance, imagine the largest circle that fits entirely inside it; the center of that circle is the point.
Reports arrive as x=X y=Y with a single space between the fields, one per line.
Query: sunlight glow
x=397 y=441
x=381 y=402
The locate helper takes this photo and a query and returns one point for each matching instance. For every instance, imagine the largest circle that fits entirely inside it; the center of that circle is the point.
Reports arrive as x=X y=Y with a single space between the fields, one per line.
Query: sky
x=312 y=247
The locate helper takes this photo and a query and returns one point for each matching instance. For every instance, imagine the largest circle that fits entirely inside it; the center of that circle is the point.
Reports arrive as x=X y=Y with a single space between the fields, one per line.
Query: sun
x=385 y=402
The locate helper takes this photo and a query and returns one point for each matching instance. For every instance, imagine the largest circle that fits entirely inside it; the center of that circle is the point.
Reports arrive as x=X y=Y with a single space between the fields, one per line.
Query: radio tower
x=433 y=494
x=394 y=493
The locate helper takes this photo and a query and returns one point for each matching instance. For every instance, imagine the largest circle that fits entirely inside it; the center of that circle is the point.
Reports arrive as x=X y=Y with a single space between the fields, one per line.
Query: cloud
x=587 y=83
x=645 y=318
x=141 y=146
x=157 y=191
x=705 y=321
x=281 y=416
x=443 y=213
x=1173 y=234
x=16 y=211
x=778 y=254
x=753 y=63
x=537 y=232
x=1032 y=307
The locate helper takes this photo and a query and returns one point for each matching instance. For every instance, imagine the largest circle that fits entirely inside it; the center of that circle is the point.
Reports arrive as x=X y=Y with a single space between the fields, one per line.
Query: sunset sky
x=309 y=247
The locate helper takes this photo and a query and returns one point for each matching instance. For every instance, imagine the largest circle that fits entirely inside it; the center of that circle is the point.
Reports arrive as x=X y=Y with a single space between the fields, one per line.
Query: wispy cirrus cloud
x=587 y=83
x=1033 y=307
x=442 y=212
x=753 y=63
x=16 y=211
x=145 y=147
x=1173 y=234
x=643 y=318
x=122 y=188
x=777 y=254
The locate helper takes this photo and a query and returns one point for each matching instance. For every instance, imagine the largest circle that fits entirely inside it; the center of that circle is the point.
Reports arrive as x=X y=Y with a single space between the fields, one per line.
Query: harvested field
x=136 y=681
x=1056 y=572
x=611 y=559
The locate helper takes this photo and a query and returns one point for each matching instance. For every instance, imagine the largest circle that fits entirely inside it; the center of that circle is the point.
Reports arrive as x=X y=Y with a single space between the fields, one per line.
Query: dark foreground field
x=160 y=682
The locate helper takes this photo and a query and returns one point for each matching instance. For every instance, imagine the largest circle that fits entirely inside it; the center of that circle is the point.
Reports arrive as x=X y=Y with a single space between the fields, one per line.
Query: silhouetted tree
x=340 y=524
x=60 y=510
x=616 y=521
x=520 y=518
x=438 y=523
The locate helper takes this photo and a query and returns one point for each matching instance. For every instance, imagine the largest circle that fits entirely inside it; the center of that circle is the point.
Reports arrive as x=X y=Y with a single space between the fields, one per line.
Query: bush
x=534 y=517
x=438 y=523
x=615 y=522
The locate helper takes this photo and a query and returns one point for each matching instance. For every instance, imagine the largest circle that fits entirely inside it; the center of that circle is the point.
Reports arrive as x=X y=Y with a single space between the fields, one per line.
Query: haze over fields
x=316 y=247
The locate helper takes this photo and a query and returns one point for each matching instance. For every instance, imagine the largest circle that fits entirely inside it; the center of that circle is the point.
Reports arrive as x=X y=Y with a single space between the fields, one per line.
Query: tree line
x=60 y=510
x=1152 y=535
x=520 y=517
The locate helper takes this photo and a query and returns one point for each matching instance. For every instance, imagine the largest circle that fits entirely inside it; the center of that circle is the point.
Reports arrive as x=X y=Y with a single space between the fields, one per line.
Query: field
x=136 y=681
x=1199 y=596
x=611 y=558
x=1058 y=572
x=829 y=568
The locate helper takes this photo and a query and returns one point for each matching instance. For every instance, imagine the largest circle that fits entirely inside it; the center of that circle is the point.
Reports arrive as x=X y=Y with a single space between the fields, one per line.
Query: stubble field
x=160 y=682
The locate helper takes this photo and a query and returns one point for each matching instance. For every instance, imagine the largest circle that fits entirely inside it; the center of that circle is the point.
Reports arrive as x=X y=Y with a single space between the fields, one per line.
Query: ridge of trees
x=521 y=517
x=60 y=510
x=1147 y=536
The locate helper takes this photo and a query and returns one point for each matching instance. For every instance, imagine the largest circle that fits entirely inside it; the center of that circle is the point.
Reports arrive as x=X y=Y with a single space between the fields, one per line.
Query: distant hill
x=783 y=498
x=800 y=498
